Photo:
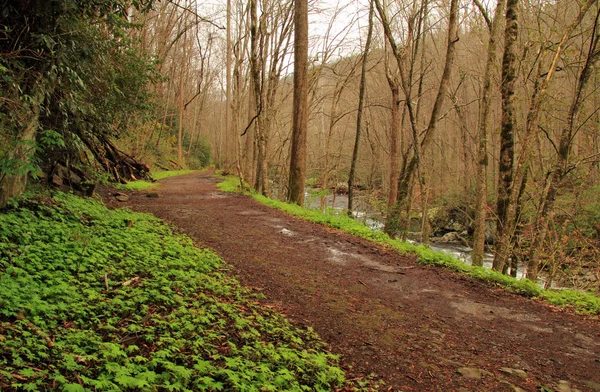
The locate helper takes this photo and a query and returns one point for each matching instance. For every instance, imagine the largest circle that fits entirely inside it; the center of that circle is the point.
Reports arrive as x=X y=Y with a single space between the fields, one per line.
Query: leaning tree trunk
x=359 y=115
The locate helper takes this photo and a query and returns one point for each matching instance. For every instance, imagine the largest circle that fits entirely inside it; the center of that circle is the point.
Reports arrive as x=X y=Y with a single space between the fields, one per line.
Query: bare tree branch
x=200 y=18
x=484 y=13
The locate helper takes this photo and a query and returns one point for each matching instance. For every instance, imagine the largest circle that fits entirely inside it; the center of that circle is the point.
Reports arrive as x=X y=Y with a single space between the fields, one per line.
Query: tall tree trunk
x=249 y=153
x=228 y=119
x=482 y=154
x=261 y=180
x=246 y=138
x=332 y=121
x=394 y=142
x=359 y=115
x=180 y=128
x=395 y=126
x=300 y=115
x=236 y=113
x=182 y=107
x=256 y=66
x=509 y=124
x=194 y=131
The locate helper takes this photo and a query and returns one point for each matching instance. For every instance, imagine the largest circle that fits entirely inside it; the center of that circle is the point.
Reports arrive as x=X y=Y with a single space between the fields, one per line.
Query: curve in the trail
x=418 y=328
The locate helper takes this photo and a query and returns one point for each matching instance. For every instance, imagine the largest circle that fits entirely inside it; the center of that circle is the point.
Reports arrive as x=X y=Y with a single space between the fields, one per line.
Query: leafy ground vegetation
x=95 y=299
x=581 y=301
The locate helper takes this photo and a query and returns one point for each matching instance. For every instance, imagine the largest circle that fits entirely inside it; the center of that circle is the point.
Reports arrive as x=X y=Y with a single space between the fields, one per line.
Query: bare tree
x=409 y=169
x=359 y=115
x=394 y=86
x=562 y=166
x=342 y=82
x=509 y=179
x=228 y=104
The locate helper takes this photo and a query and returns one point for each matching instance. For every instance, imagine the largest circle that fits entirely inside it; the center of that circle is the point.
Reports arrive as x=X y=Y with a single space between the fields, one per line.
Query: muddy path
x=418 y=328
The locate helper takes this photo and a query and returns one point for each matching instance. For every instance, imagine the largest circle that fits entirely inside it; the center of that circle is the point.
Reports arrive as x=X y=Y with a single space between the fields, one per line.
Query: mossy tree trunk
x=508 y=129
x=482 y=154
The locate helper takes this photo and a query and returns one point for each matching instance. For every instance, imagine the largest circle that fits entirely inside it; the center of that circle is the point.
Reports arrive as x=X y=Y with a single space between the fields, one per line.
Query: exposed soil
x=415 y=327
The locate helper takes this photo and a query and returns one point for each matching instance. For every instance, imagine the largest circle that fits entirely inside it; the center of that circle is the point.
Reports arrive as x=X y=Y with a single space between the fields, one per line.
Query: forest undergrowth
x=99 y=299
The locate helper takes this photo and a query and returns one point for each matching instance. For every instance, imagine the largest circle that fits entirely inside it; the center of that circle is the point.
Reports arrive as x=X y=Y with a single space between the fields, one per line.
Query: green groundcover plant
x=93 y=299
x=582 y=302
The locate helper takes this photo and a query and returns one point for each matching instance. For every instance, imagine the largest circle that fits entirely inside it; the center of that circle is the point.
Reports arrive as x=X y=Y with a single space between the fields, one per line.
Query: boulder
x=449 y=237
x=341 y=188
x=455 y=226
x=490 y=232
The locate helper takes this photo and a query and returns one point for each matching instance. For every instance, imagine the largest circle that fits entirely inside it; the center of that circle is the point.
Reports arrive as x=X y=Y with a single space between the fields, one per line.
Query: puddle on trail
x=337 y=256
x=340 y=257
x=251 y=213
x=488 y=312
x=287 y=232
x=205 y=196
x=378 y=266
x=370 y=218
x=271 y=219
x=217 y=195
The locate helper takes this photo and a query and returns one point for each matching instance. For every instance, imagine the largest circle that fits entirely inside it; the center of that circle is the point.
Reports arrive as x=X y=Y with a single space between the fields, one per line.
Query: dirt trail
x=418 y=328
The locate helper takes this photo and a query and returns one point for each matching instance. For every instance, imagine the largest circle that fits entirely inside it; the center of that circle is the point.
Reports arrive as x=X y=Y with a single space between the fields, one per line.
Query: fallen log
x=120 y=165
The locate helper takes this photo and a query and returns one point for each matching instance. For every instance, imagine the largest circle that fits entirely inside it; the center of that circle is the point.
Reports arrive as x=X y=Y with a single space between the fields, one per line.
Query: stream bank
x=451 y=242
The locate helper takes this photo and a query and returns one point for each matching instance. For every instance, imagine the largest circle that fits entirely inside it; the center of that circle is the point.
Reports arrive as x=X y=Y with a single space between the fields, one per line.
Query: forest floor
x=418 y=328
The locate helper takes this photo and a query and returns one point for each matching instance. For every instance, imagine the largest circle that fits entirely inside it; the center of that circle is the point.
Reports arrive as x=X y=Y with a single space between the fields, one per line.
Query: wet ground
x=418 y=328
